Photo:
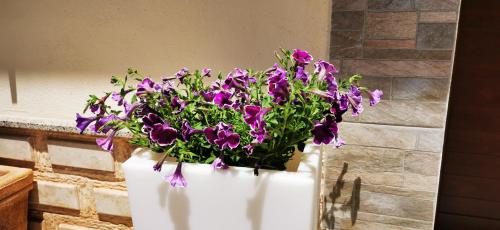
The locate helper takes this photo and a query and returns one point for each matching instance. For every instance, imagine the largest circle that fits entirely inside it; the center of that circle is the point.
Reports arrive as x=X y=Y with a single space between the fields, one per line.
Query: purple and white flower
x=177 y=179
x=301 y=57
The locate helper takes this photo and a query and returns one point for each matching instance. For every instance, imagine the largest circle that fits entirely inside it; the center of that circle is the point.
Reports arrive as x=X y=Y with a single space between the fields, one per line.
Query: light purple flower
x=259 y=132
x=83 y=122
x=302 y=75
x=324 y=69
x=187 y=131
x=107 y=143
x=238 y=79
x=223 y=99
x=100 y=125
x=177 y=179
x=147 y=85
x=355 y=100
x=178 y=104
x=163 y=134
x=254 y=115
x=375 y=96
x=301 y=57
x=206 y=72
x=218 y=163
x=222 y=135
x=116 y=96
x=129 y=109
x=324 y=132
x=181 y=74
x=339 y=142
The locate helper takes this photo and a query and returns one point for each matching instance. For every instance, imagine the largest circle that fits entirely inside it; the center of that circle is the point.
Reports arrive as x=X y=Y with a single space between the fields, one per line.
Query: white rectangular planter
x=232 y=199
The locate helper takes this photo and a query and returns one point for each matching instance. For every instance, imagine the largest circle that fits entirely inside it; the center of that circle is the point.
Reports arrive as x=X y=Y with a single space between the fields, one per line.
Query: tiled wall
x=77 y=185
x=405 y=48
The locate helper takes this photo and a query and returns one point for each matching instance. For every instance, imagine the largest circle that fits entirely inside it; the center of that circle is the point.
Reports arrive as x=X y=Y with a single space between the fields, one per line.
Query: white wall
x=61 y=51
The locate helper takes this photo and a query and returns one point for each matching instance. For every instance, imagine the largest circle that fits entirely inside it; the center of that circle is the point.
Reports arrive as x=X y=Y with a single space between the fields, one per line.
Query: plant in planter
x=249 y=119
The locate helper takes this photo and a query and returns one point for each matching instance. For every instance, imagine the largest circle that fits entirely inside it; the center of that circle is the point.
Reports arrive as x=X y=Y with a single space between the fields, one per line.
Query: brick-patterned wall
x=77 y=185
x=405 y=48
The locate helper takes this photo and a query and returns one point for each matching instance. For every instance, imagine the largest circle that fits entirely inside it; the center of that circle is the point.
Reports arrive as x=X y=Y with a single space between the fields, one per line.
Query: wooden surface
x=469 y=195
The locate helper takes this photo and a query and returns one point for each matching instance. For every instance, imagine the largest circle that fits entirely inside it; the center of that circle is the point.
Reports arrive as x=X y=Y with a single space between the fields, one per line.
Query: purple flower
x=223 y=99
x=163 y=134
x=188 y=131
x=324 y=132
x=167 y=88
x=206 y=72
x=355 y=100
x=259 y=132
x=96 y=108
x=301 y=57
x=238 y=79
x=218 y=163
x=181 y=74
x=176 y=179
x=375 y=96
x=324 y=69
x=117 y=96
x=302 y=75
x=279 y=91
x=208 y=95
x=222 y=135
x=107 y=143
x=178 y=104
x=157 y=167
x=147 y=86
x=83 y=122
x=254 y=115
x=100 y=125
x=149 y=121
x=130 y=108
x=249 y=149
x=339 y=142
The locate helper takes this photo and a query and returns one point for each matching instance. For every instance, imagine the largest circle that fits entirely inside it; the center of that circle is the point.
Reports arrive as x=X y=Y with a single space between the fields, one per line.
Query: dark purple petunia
x=116 y=96
x=206 y=72
x=187 y=131
x=208 y=96
x=254 y=115
x=279 y=91
x=167 y=88
x=375 y=96
x=222 y=135
x=177 y=179
x=238 y=79
x=223 y=99
x=178 y=104
x=249 y=149
x=100 y=125
x=96 y=108
x=83 y=122
x=355 y=100
x=129 y=109
x=147 y=85
x=302 y=75
x=163 y=134
x=301 y=57
x=181 y=74
x=157 y=167
x=324 y=69
x=324 y=132
x=107 y=143
x=149 y=121
x=259 y=132
x=218 y=163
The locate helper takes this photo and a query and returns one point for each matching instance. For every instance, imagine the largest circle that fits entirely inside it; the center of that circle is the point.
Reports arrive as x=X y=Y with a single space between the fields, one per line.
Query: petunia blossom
x=178 y=104
x=107 y=143
x=249 y=149
x=301 y=57
x=181 y=74
x=302 y=75
x=206 y=72
x=149 y=121
x=163 y=134
x=177 y=179
x=222 y=135
x=187 y=131
x=254 y=114
x=325 y=131
x=83 y=122
x=218 y=163
x=355 y=100
x=147 y=85
x=259 y=132
x=101 y=123
x=375 y=96
x=223 y=99
x=324 y=69
x=238 y=79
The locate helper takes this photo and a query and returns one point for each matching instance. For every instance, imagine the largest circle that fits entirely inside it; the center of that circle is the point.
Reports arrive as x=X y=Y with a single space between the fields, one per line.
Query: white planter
x=232 y=199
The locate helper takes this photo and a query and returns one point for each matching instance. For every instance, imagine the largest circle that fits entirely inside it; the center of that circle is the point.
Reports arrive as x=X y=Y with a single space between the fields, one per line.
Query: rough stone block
x=436 y=4
x=349 y=5
x=443 y=17
x=73 y=227
x=421 y=89
x=348 y=20
x=423 y=163
x=379 y=135
x=420 y=182
x=431 y=140
x=55 y=194
x=79 y=155
x=365 y=159
x=346 y=39
x=390 y=44
x=391 y=25
x=436 y=35
x=402 y=222
x=397 y=68
x=390 y=5
x=112 y=202
x=407 y=54
x=398 y=206
x=15 y=147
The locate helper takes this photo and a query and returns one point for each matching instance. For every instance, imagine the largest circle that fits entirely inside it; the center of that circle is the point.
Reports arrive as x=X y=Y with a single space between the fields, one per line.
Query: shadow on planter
x=351 y=205
x=178 y=205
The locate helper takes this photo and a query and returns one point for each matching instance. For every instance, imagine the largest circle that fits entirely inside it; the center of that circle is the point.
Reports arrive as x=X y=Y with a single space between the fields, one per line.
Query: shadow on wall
x=351 y=205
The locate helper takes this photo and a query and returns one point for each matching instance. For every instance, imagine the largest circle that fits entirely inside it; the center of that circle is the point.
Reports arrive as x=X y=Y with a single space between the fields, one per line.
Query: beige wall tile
x=391 y=25
x=55 y=194
x=15 y=147
x=112 y=202
x=80 y=155
x=398 y=68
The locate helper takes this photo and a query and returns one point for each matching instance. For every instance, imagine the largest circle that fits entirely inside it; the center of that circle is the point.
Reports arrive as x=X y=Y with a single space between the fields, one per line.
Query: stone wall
x=77 y=185
x=387 y=175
